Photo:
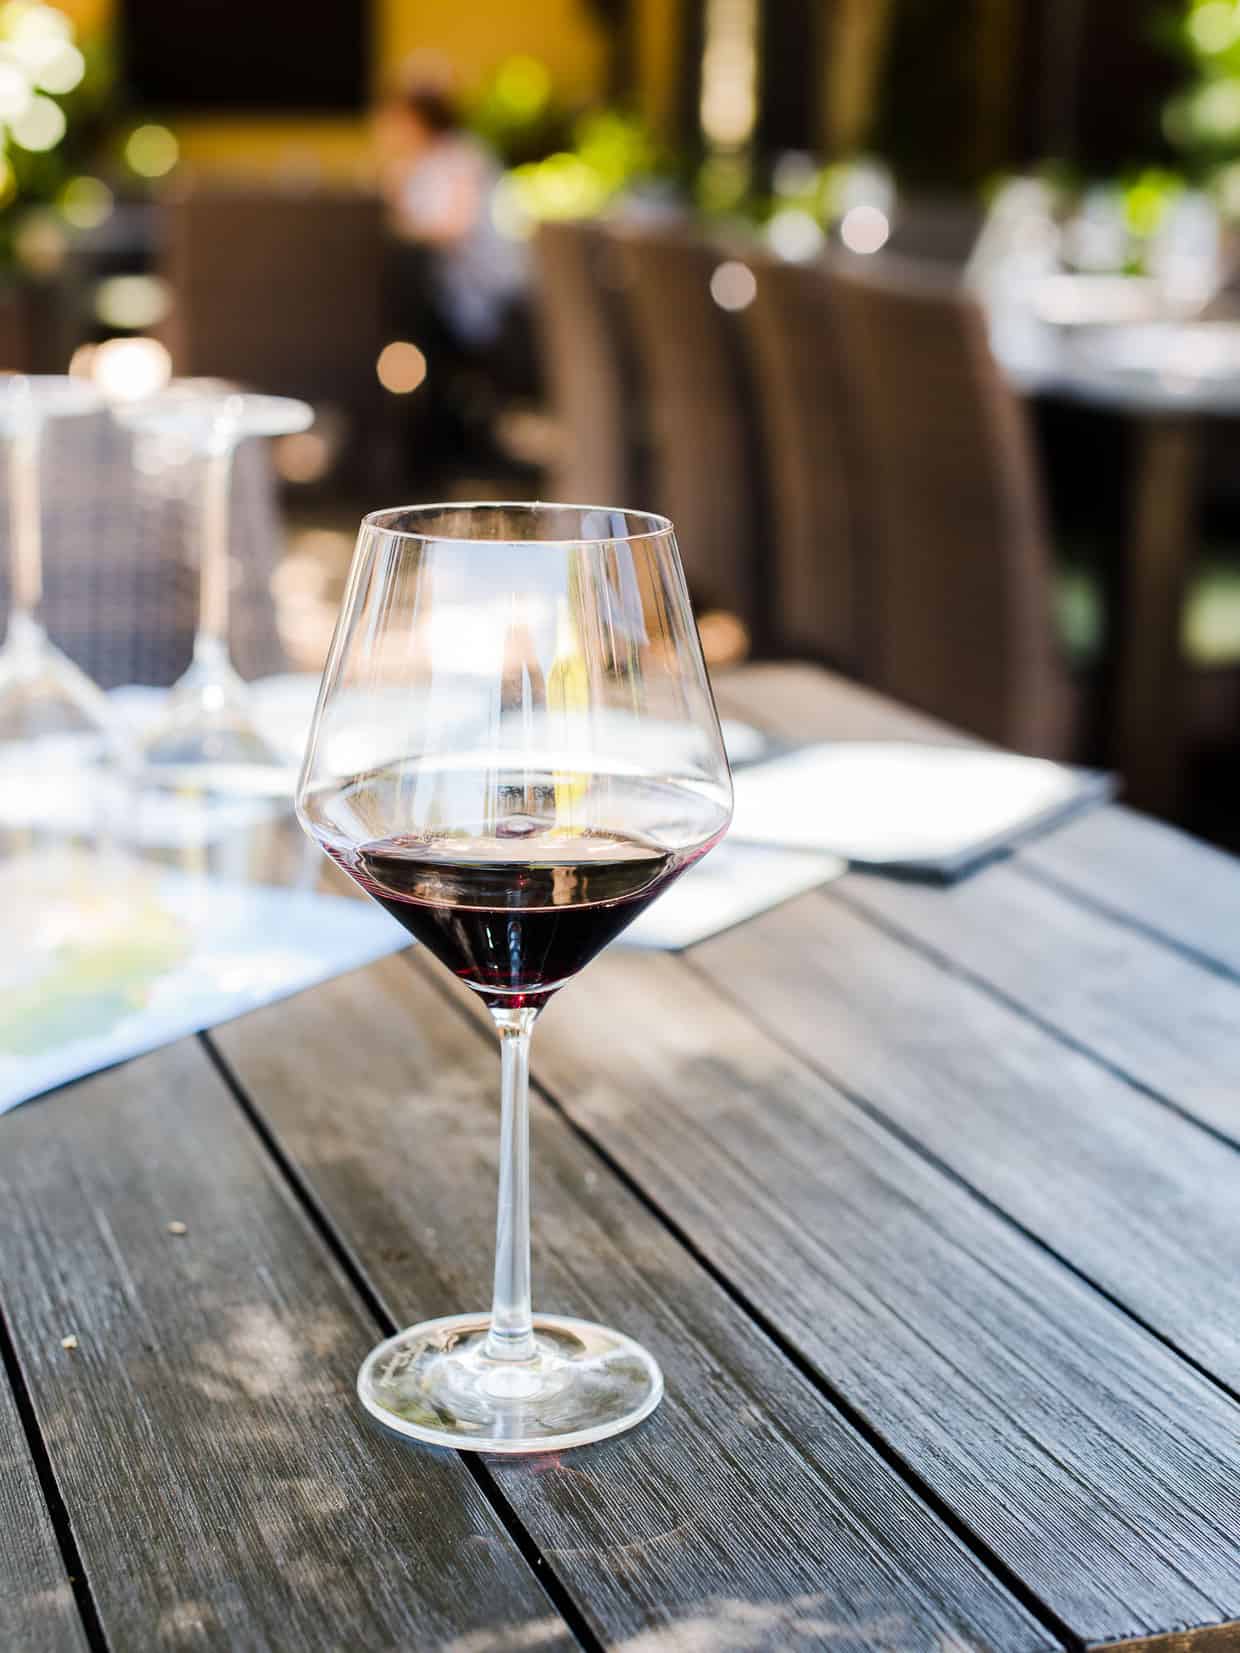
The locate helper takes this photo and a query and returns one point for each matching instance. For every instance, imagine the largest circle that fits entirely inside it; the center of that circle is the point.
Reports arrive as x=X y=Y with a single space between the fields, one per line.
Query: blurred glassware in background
x=64 y=757
x=1097 y=237
x=1185 y=255
x=208 y=738
x=1017 y=252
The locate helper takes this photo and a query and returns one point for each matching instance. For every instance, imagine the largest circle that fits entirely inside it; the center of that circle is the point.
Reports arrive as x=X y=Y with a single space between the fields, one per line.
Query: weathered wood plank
x=1133 y=867
x=37 y=1610
x=746 y=1501
x=1160 y=1018
x=222 y=1487
x=1140 y=1200
x=1150 y=874
x=1100 y=1467
x=802 y=702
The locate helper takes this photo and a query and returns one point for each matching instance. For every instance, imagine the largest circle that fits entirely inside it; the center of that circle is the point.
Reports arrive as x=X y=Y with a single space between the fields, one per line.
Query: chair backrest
x=120 y=554
x=939 y=229
x=699 y=415
x=812 y=461
x=585 y=361
x=959 y=579
x=279 y=289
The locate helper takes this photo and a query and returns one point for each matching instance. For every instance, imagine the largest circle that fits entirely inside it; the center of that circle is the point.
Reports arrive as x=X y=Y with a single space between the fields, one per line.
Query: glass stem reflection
x=512 y=1335
x=217 y=493
x=25 y=516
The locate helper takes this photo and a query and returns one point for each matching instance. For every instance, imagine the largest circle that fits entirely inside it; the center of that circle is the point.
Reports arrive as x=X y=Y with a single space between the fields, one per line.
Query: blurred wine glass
x=207 y=738
x=63 y=754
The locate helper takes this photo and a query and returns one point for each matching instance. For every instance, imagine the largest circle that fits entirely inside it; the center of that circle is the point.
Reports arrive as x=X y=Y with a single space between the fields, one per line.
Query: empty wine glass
x=207 y=736
x=62 y=753
x=514 y=751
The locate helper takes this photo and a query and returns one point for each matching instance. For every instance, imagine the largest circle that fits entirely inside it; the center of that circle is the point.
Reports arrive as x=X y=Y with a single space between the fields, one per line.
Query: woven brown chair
x=813 y=468
x=704 y=470
x=959 y=580
x=586 y=364
x=278 y=289
x=939 y=229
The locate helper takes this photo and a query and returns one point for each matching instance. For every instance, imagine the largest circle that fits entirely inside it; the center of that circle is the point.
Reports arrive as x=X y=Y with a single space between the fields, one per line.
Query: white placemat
x=936 y=810
x=119 y=958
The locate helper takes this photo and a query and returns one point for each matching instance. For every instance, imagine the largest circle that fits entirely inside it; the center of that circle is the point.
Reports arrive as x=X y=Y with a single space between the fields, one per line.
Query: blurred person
x=439 y=181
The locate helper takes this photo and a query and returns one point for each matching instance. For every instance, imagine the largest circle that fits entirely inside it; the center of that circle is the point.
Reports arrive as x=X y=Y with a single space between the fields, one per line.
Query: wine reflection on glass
x=515 y=750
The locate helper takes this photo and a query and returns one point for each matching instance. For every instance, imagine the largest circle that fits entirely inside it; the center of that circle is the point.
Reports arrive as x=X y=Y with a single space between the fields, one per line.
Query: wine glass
x=63 y=755
x=207 y=735
x=514 y=750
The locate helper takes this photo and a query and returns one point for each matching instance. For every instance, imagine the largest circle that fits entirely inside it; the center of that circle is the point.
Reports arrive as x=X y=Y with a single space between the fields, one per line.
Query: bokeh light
x=132 y=301
x=126 y=370
x=151 y=151
x=522 y=86
x=85 y=202
x=40 y=126
x=306 y=456
x=61 y=70
x=1214 y=27
x=795 y=235
x=30 y=28
x=733 y=285
x=15 y=91
x=729 y=98
x=865 y=229
x=40 y=243
x=401 y=367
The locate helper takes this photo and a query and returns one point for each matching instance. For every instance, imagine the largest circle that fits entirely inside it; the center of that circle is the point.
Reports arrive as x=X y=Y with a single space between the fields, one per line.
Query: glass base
x=207 y=739
x=437 y=1383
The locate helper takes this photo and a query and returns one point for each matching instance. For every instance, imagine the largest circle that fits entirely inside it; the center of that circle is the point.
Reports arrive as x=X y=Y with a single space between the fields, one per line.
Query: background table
x=926 y=1199
x=1168 y=415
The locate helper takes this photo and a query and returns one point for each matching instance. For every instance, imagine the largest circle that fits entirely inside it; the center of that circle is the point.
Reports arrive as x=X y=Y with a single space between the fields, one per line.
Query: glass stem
x=213 y=589
x=25 y=518
x=512 y=1329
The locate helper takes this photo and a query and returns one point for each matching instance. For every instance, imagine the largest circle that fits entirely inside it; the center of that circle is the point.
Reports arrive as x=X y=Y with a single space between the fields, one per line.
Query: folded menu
x=934 y=811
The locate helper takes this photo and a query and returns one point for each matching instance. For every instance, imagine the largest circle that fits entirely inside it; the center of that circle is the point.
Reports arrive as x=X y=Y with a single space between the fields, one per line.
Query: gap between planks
x=58 y=1514
x=944 y=961
x=548 y=1580
x=838 y=1402
x=927 y=1154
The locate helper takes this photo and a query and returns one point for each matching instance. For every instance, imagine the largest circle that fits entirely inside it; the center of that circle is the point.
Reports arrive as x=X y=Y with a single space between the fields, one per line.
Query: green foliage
x=560 y=164
x=1203 y=120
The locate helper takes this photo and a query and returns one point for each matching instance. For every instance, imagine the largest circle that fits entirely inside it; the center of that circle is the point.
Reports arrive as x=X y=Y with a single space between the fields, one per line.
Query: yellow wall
x=475 y=35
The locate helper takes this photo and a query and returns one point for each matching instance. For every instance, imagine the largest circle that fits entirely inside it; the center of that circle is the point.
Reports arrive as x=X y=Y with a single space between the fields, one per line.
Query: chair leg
x=1149 y=720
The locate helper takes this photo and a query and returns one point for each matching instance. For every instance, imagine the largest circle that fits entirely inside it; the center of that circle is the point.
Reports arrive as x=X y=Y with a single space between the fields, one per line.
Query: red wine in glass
x=515 y=751
x=517 y=905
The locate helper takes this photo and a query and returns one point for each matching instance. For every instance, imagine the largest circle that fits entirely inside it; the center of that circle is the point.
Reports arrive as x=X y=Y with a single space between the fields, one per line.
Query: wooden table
x=925 y=1198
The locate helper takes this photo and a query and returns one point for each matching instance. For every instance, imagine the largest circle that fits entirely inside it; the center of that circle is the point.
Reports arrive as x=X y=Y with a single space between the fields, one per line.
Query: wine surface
x=516 y=896
x=513 y=918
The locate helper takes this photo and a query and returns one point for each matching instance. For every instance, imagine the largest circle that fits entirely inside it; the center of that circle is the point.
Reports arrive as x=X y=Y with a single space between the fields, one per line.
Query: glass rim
x=379 y=521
